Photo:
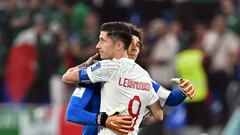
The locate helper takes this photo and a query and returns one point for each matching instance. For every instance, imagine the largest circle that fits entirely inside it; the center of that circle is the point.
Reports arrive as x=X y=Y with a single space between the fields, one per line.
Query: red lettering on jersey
x=128 y=83
x=120 y=81
x=125 y=82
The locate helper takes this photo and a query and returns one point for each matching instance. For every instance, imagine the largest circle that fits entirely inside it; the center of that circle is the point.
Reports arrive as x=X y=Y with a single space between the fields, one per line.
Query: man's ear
x=119 y=45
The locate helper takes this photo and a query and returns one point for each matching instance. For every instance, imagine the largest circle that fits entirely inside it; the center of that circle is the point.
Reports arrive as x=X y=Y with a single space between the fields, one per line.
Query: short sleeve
x=102 y=71
x=163 y=94
x=153 y=97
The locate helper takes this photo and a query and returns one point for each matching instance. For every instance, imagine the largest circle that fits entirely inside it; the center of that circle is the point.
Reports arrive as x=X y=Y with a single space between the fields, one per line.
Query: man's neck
x=121 y=55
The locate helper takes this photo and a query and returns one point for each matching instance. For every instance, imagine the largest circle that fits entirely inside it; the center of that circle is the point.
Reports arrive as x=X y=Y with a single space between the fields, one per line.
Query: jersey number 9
x=131 y=107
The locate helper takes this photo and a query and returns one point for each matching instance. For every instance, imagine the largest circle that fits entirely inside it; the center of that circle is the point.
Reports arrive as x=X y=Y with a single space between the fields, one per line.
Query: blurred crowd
x=193 y=39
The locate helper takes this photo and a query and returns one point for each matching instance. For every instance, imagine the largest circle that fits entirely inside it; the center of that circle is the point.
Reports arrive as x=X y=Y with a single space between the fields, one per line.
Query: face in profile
x=105 y=46
x=134 y=48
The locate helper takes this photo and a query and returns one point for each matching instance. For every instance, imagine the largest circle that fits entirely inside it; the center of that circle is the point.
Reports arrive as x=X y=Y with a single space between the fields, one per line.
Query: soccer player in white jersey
x=127 y=87
x=83 y=109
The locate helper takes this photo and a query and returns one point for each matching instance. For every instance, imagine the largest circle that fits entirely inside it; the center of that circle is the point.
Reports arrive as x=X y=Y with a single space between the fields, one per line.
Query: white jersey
x=127 y=89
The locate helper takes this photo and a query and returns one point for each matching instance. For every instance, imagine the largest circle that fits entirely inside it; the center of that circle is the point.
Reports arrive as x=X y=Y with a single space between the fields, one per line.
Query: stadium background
x=40 y=39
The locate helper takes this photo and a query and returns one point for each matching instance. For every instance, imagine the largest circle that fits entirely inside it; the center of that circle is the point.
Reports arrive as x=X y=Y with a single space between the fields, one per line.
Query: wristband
x=81 y=84
x=183 y=93
x=101 y=118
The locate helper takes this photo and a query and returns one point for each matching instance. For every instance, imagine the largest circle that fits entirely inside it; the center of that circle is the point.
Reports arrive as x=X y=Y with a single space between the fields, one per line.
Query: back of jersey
x=127 y=89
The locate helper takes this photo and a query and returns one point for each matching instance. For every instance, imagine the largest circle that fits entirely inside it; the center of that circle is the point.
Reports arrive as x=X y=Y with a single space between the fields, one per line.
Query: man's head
x=137 y=40
x=114 y=40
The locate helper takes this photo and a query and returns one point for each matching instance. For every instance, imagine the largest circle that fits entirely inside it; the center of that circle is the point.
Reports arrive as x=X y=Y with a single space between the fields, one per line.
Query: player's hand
x=90 y=60
x=187 y=88
x=119 y=123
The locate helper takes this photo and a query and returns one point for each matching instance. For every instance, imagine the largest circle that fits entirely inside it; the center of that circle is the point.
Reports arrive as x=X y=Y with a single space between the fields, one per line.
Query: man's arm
x=148 y=120
x=155 y=109
x=102 y=71
x=173 y=98
x=76 y=108
x=155 y=115
x=72 y=74
x=176 y=96
x=167 y=97
x=186 y=86
x=76 y=112
x=170 y=98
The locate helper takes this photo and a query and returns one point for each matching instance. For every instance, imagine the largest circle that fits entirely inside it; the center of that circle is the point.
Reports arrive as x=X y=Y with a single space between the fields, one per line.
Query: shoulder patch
x=95 y=66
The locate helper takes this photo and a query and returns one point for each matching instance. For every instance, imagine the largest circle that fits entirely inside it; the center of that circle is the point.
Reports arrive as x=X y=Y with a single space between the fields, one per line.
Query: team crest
x=95 y=66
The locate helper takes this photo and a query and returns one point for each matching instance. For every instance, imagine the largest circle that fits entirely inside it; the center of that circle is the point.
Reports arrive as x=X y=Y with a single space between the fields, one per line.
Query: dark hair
x=118 y=31
x=192 y=39
x=136 y=32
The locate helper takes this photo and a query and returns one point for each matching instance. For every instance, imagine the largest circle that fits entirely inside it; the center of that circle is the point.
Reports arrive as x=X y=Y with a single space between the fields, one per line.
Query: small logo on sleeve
x=95 y=66
x=78 y=92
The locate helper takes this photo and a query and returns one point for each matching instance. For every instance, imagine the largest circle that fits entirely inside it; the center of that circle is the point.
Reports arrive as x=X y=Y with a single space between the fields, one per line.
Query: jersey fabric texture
x=127 y=89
